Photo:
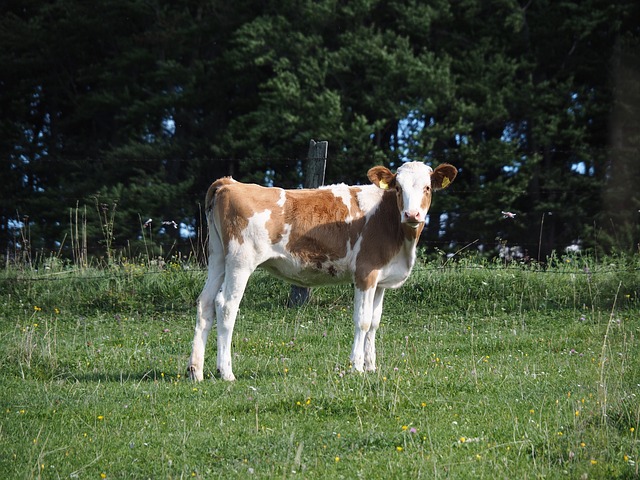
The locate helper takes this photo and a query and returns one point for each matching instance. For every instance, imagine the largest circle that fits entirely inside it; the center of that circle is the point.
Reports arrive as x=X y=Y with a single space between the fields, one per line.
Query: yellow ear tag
x=445 y=182
x=383 y=185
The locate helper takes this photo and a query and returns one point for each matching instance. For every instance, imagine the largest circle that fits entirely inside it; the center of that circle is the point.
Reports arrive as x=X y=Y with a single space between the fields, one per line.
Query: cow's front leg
x=362 y=318
x=370 y=337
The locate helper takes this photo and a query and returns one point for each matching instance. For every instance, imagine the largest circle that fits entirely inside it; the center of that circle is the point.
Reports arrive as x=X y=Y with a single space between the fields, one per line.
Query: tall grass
x=485 y=371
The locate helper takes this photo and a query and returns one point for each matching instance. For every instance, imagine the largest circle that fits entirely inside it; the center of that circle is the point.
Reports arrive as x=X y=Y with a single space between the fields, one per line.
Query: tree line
x=121 y=111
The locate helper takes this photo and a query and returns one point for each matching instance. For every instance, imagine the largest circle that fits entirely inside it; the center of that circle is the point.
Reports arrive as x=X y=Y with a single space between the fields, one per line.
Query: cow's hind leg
x=205 y=318
x=227 y=304
x=370 y=337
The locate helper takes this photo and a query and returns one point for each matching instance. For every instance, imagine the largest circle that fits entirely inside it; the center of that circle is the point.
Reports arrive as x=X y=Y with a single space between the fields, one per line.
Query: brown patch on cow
x=426 y=199
x=357 y=217
x=234 y=211
x=377 y=250
x=275 y=224
x=368 y=281
x=319 y=230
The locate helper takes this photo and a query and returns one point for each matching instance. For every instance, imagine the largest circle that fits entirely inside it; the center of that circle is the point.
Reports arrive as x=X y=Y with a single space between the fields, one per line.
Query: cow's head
x=413 y=183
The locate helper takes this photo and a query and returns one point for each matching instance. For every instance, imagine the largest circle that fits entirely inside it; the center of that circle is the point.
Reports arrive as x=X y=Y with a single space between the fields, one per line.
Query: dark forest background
x=120 y=111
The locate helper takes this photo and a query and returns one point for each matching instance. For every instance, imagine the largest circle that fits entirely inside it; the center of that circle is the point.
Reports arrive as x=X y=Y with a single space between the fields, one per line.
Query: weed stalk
x=602 y=385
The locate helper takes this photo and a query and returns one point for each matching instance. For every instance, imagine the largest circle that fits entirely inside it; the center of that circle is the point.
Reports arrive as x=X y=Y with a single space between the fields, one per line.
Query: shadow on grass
x=116 y=377
x=162 y=377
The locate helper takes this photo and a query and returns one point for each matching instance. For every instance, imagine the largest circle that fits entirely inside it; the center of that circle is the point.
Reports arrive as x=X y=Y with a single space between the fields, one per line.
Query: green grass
x=484 y=372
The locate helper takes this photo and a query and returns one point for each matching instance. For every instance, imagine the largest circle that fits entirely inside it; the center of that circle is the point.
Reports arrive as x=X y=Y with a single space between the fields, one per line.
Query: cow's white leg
x=227 y=304
x=370 y=337
x=362 y=317
x=204 y=321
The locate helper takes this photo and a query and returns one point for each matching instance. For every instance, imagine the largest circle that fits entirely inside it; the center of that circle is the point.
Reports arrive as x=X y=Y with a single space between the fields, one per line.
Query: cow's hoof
x=193 y=374
x=227 y=376
x=356 y=369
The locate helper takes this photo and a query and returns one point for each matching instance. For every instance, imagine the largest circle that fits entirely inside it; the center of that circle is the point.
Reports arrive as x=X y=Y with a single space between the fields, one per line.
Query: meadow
x=484 y=371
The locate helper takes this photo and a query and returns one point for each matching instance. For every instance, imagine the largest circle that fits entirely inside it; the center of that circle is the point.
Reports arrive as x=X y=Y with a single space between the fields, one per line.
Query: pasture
x=484 y=371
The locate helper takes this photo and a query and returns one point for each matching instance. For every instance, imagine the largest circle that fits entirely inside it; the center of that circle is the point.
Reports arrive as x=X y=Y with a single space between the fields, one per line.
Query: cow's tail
x=216 y=247
x=211 y=193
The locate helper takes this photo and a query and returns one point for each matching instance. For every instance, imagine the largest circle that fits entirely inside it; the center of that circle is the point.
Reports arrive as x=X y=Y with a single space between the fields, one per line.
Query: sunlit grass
x=484 y=372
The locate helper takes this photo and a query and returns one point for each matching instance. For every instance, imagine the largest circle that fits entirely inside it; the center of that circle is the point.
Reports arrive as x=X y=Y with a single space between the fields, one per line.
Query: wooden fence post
x=313 y=178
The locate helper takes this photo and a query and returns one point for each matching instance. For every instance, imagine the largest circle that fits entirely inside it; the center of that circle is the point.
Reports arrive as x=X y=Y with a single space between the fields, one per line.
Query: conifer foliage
x=132 y=108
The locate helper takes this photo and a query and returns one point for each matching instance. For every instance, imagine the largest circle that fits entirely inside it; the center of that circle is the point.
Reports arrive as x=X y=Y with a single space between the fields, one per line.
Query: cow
x=365 y=235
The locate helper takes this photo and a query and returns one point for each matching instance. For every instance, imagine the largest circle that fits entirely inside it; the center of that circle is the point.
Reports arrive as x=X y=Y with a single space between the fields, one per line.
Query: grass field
x=484 y=372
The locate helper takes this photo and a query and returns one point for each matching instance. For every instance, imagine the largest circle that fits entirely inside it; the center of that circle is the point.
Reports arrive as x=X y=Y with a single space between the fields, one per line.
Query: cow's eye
x=427 y=189
x=398 y=189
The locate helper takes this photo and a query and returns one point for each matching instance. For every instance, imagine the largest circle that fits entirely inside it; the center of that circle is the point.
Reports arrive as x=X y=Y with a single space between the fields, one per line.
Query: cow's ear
x=382 y=177
x=442 y=176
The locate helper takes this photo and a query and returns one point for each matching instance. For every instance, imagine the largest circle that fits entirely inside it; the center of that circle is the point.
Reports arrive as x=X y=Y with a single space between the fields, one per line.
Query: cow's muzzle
x=412 y=218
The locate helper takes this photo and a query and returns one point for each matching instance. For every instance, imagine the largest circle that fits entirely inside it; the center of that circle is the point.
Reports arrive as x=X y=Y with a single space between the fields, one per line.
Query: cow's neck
x=410 y=244
x=410 y=237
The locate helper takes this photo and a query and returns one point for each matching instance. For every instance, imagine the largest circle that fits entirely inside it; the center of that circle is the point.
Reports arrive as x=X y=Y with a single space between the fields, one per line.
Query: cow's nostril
x=412 y=216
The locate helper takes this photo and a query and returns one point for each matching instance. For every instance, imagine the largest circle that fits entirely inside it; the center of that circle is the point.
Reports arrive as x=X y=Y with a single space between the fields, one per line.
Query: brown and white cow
x=365 y=235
